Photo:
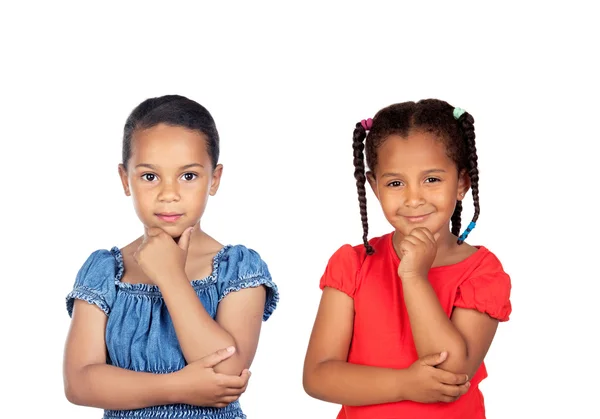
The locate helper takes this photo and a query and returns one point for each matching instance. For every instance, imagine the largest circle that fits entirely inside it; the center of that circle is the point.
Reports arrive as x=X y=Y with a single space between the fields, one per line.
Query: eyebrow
x=426 y=172
x=153 y=167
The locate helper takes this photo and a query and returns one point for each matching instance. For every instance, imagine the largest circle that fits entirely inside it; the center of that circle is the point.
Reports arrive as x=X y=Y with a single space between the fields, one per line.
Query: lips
x=417 y=218
x=169 y=217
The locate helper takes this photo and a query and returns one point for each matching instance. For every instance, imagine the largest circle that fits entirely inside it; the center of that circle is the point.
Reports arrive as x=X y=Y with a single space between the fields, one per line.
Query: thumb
x=184 y=240
x=217 y=357
x=434 y=359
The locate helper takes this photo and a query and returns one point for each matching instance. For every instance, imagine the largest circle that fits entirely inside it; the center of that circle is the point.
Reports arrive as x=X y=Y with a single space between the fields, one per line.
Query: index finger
x=425 y=233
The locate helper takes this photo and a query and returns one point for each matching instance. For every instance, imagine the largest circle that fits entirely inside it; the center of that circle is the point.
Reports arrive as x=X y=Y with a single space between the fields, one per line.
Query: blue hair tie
x=467 y=231
x=458 y=112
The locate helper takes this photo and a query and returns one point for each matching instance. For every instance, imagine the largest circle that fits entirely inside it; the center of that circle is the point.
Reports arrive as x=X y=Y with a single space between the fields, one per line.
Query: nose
x=169 y=192
x=413 y=196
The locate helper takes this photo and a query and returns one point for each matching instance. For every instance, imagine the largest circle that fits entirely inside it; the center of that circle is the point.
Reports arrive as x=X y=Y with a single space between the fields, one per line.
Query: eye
x=189 y=176
x=149 y=177
x=432 y=180
x=395 y=184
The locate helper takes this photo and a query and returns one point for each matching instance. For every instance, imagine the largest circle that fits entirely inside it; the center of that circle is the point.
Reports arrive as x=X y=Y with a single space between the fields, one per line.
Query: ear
x=373 y=183
x=464 y=184
x=216 y=179
x=124 y=179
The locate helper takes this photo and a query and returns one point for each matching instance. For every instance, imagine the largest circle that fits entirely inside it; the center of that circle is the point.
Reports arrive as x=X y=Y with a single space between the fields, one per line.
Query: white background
x=286 y=83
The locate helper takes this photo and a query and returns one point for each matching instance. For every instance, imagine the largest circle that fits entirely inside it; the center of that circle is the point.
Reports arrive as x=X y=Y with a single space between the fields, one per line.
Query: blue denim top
x=139 y=333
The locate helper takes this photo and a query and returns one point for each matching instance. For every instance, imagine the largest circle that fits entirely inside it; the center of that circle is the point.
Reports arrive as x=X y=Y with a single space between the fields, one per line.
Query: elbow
x=458 y=361
x=71 y=393
x=233 y=365
x=310 y=382
x=74 y=388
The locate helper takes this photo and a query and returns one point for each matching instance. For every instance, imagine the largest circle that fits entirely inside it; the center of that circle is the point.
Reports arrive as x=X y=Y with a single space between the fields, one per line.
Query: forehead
x=417 y=151
x=168 y=145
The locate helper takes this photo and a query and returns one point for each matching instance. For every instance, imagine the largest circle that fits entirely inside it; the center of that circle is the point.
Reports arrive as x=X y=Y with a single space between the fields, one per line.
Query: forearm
x=198 y=334
x=433 y=332
x=354 y=385
x=109 y=387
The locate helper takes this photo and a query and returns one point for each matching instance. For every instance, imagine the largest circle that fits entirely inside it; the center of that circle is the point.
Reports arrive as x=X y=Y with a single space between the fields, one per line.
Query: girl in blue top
x=167 y=326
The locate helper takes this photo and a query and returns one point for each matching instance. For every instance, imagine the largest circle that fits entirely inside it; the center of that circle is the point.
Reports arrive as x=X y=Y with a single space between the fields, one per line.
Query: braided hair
x=428 y=115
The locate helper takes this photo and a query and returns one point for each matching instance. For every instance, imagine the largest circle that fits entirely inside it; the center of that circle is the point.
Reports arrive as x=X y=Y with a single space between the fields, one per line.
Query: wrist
x=411 y=278
x=401 y=384
x=173 y=389
x=174 y=277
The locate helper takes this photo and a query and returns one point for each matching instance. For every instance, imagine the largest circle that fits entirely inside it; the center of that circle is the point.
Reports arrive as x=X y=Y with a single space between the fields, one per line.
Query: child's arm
x=238 y=323
x=239 y=314
x=466 y=336
x=329 y=377
x=89 y=381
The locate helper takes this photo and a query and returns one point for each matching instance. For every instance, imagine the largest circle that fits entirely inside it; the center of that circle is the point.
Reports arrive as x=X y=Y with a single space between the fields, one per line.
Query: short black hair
x=172 y=110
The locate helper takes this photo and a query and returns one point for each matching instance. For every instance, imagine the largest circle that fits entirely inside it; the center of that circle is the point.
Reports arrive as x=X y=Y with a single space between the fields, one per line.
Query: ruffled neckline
x=150 y=288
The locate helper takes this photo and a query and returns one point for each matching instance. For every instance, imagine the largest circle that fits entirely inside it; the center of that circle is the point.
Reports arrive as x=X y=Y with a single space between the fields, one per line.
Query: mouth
x=416 y=218
x=168 y=217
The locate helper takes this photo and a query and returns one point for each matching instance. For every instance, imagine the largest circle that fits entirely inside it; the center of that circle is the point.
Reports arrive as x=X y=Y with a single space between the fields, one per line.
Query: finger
x=229 y=399
x=217 y=357
x=246 y=375
x=428 y=234
x=451 y=378
x=434 y=359
x=184 y=240
x=414 y=240
x=407 y=245
x=231 y=381
x=233 y=391
x=423 y=235
x=454 y=391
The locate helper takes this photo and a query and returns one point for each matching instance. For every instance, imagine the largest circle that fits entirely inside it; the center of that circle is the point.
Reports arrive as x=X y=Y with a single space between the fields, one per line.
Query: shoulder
x=241 y=261
x=345 y=264
x=487 y=287
x=96 y=279
x=356 y=254
x=101 y=265
x=239 y=267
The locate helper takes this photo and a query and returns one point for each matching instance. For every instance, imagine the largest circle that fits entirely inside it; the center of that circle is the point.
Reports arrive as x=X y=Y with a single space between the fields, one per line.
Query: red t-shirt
x=382 y=336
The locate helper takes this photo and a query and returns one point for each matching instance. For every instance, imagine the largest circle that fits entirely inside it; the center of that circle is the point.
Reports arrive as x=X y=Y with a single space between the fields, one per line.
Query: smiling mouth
x=417 y=218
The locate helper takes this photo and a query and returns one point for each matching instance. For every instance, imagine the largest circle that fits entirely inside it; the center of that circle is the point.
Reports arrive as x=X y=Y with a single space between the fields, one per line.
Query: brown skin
x=169 y=170
x=414 y=177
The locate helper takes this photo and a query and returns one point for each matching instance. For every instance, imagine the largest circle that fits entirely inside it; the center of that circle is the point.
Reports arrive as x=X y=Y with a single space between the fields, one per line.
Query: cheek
x=389 y=201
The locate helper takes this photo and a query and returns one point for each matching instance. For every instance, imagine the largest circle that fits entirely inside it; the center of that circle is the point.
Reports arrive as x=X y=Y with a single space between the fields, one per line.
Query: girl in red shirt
x=406 y=319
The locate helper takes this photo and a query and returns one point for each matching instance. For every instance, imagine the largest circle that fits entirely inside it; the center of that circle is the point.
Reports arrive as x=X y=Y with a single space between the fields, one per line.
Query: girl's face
x=170 y=177
x=416 y=183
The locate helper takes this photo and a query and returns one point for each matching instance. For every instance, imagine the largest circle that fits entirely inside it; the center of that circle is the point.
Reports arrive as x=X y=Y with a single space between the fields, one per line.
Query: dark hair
x=172 y=110
x=429 y=115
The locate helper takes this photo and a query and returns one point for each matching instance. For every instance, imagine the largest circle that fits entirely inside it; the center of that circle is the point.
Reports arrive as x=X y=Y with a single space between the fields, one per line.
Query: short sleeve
x=241 y=268
x=95 y=282
x=487 y=290
x=342 y=271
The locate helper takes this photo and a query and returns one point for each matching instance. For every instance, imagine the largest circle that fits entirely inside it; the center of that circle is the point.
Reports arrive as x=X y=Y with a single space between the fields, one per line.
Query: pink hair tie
x=367 y=124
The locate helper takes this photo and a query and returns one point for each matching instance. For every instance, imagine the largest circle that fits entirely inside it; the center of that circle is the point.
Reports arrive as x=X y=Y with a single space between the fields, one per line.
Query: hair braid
x=359 y=174
x=466 y=122
x=456 y=218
